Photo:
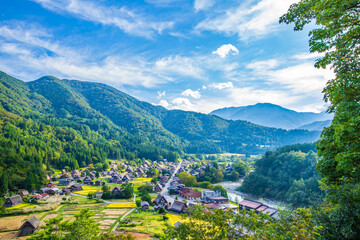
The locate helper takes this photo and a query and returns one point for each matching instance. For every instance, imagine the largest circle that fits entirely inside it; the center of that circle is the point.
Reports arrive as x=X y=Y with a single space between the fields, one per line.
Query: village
x=83 y=188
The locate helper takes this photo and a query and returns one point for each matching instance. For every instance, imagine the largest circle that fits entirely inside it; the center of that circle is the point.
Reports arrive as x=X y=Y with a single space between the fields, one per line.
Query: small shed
x=29 y=226
x=144 y=205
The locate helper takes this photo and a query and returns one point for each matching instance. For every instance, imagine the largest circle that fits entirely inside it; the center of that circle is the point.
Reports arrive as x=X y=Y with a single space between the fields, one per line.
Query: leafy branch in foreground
x=82 y=228
x=337 y=38
x=219 y=224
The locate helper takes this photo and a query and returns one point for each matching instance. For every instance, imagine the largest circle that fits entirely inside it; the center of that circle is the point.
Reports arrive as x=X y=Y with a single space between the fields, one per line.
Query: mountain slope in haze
x=270 y=115
x=316 y=126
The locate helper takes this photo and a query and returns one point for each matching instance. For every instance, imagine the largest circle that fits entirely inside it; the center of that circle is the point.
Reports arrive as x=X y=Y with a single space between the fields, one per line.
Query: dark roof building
x=188 y=193
x=12 y=201
x=257 y=207
x=116 y=190
x=178 y=206
x=29 y=226
x=161 y=201
x=23 y=192
x=158 y=188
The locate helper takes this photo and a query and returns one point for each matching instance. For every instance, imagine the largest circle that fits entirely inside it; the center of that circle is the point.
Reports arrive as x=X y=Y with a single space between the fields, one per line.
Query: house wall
x=27 y=229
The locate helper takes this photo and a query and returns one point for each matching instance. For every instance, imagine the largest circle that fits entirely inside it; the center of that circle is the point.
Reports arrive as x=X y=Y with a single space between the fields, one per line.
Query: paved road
x=165 y=191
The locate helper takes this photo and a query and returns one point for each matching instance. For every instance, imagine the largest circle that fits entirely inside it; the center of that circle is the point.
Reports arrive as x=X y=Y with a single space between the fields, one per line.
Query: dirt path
x=122 y=218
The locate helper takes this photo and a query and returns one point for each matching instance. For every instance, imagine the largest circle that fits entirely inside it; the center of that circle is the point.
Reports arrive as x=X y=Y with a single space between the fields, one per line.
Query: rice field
x=141 y=180
x=22 y=206
x=12 y=223
x=174 y=218
x=146 y=222
x=88 y=189
x=121 y=205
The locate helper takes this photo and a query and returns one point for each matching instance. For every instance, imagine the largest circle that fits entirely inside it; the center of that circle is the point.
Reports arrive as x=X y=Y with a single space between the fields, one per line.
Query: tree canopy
x=337 y=38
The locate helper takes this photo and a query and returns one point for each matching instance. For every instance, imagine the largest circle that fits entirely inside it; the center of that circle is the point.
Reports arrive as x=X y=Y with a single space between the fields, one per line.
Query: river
x=237 y=196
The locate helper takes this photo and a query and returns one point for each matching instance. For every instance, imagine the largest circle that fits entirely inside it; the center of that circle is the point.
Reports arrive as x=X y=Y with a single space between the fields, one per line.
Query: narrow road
x=165 y=191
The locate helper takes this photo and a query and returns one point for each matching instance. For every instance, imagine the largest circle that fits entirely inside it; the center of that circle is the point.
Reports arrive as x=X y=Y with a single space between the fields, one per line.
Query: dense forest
x=286 y=174
x=56 y=123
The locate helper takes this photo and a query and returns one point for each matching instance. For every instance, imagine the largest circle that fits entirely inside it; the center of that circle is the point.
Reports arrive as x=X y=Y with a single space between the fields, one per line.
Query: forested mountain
x=58 y=123
x=286 y=174
x=316 y=126
x=271 y=115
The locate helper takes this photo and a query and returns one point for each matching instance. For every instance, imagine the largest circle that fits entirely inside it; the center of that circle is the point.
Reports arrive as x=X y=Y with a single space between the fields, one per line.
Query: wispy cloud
x=31 y=49
x=123 y=18
x=248 y=20
x=203 y=4
x=184 y=66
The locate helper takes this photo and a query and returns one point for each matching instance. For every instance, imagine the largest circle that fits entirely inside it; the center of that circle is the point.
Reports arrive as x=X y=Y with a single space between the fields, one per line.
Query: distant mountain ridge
x=271 y=115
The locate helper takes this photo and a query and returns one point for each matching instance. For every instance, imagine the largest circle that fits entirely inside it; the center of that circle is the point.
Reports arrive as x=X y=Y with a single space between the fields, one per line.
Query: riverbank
x=236 y=196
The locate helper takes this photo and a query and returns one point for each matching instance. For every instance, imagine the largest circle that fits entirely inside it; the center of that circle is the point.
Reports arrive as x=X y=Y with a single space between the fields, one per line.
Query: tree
x=337 y=36
x=82 y=228
x=90 y=195
x=146 y=198
x=105 y=188
x=187 y=179
x=248 y=225
x=4 y=183
x=221 y=189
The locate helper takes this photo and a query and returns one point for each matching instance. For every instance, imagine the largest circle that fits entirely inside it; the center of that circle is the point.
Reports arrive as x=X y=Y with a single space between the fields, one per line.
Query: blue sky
x=197 y=55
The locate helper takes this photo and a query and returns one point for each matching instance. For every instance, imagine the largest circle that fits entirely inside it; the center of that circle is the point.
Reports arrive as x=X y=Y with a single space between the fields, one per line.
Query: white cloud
x=191 y=93
x=302 y=78
x=164 y=103
x=125 y=19
x=161 y=94
x=248 y=20
x=221 y=85
x=203 y=4
x=183 y=104
x=226 y=49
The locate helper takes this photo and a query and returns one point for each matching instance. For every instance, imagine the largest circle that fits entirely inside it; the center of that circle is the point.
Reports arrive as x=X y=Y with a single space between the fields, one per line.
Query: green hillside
x=58 y=123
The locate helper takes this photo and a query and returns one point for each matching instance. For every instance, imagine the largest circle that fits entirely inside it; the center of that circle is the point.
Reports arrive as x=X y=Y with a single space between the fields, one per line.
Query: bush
x=165 y=218
x=162 y=210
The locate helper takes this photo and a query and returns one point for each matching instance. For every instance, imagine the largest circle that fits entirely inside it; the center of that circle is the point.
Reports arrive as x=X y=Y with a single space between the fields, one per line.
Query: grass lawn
x=121 y=205
x=22 y=206
x=83 y=200
x=199 y=188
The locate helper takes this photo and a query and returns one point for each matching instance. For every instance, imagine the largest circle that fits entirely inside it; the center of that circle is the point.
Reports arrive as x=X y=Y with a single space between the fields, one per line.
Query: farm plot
x=121 y=205
x=12 y=223
x=145 y=222
x=89 y=189
x=22 y=206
